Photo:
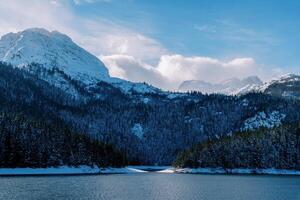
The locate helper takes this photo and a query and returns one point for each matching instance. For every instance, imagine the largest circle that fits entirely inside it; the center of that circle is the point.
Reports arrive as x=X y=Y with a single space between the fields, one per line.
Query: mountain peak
x=51 y=34
x=253 y=80
x=51 y=49
x=37 y=30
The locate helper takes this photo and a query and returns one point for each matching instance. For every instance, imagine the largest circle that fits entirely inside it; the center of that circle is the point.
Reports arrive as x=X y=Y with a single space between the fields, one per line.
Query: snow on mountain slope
x=230 y=86
x=262 y=119
x=129 y=87
x=51 y=49
x=287 y=86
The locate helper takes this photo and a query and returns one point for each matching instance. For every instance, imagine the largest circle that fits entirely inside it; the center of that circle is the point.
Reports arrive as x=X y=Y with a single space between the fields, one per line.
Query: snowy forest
x=68 y=122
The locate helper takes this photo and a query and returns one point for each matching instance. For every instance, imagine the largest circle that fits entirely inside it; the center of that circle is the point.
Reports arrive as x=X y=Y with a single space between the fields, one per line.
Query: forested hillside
x=263 y=148
x=26 y=142
x=31 y=133
x=148 y=128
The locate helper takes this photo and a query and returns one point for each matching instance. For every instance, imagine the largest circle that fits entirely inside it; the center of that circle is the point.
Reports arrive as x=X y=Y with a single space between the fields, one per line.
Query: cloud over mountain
x=179 y=68
x=172 y=70
x=129 y=68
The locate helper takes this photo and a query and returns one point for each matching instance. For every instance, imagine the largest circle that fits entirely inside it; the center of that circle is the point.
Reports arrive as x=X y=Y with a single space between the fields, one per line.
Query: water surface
x=151 y=186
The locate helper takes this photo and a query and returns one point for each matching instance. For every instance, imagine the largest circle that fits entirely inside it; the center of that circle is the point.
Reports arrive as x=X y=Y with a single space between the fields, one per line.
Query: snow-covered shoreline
x=67 y=170
x=95 y=170
x=270 y=171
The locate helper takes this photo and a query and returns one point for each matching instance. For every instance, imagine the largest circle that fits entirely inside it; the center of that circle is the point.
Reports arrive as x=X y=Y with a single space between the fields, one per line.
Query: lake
x=146 y=186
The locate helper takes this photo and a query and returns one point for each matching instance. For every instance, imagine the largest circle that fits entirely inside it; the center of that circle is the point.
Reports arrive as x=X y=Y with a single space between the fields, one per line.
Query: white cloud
x=129 y=68
x=18 y=15
x=179 y=68
x=108 y=38
x=173 y=69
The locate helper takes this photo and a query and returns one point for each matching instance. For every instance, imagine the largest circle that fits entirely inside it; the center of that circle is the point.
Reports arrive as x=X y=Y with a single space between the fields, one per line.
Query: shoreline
x=67 y=170
x=241 y=171
x=95 y=170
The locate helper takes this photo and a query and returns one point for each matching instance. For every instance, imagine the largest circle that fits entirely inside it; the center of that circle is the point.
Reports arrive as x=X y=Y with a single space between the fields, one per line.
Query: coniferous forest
x=26 y=142
x=264 y=148
x=61 y=121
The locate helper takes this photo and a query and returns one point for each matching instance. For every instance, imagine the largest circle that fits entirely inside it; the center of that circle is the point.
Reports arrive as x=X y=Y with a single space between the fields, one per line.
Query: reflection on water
x=151 y=186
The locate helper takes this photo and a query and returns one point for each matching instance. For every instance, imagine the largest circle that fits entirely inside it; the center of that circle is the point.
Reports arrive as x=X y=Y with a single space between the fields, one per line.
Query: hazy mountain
x=228 y=87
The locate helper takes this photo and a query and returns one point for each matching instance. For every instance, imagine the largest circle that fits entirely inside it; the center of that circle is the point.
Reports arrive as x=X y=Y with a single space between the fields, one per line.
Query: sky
x=165 y=42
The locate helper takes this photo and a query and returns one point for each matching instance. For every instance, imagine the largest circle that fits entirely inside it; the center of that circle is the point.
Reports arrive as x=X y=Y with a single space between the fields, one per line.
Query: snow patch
x=146 y=100
x=128 y=87
x=262 y=119
x=175 y=95
x=151 y=168
x=126 y=170
x=167 y=171
x=245 y=102
x=137 y=130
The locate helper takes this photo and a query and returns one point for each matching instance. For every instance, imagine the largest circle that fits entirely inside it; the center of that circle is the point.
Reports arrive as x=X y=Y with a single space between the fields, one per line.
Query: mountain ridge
x=286 y=86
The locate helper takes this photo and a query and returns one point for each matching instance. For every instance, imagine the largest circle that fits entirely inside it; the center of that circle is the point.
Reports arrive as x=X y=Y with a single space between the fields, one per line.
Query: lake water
x=152 y=186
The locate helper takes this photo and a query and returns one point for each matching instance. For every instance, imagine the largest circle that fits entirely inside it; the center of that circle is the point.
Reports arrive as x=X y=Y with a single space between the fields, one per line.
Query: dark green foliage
x=29 y=143
x=264 y=148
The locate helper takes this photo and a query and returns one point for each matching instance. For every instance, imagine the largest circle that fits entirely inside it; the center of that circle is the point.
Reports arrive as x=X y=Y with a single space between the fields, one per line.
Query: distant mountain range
x=54 y=94
x=230 y=86
x=287 y=86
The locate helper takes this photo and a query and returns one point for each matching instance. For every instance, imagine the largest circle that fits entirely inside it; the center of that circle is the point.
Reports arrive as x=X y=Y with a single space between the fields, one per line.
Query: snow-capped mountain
x=51 y=49
x=229 y=87
x=54 y=50
x=287 y=86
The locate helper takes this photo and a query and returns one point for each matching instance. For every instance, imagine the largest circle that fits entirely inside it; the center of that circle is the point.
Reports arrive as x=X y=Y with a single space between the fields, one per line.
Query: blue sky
x=165 y=42
x=265 y=30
